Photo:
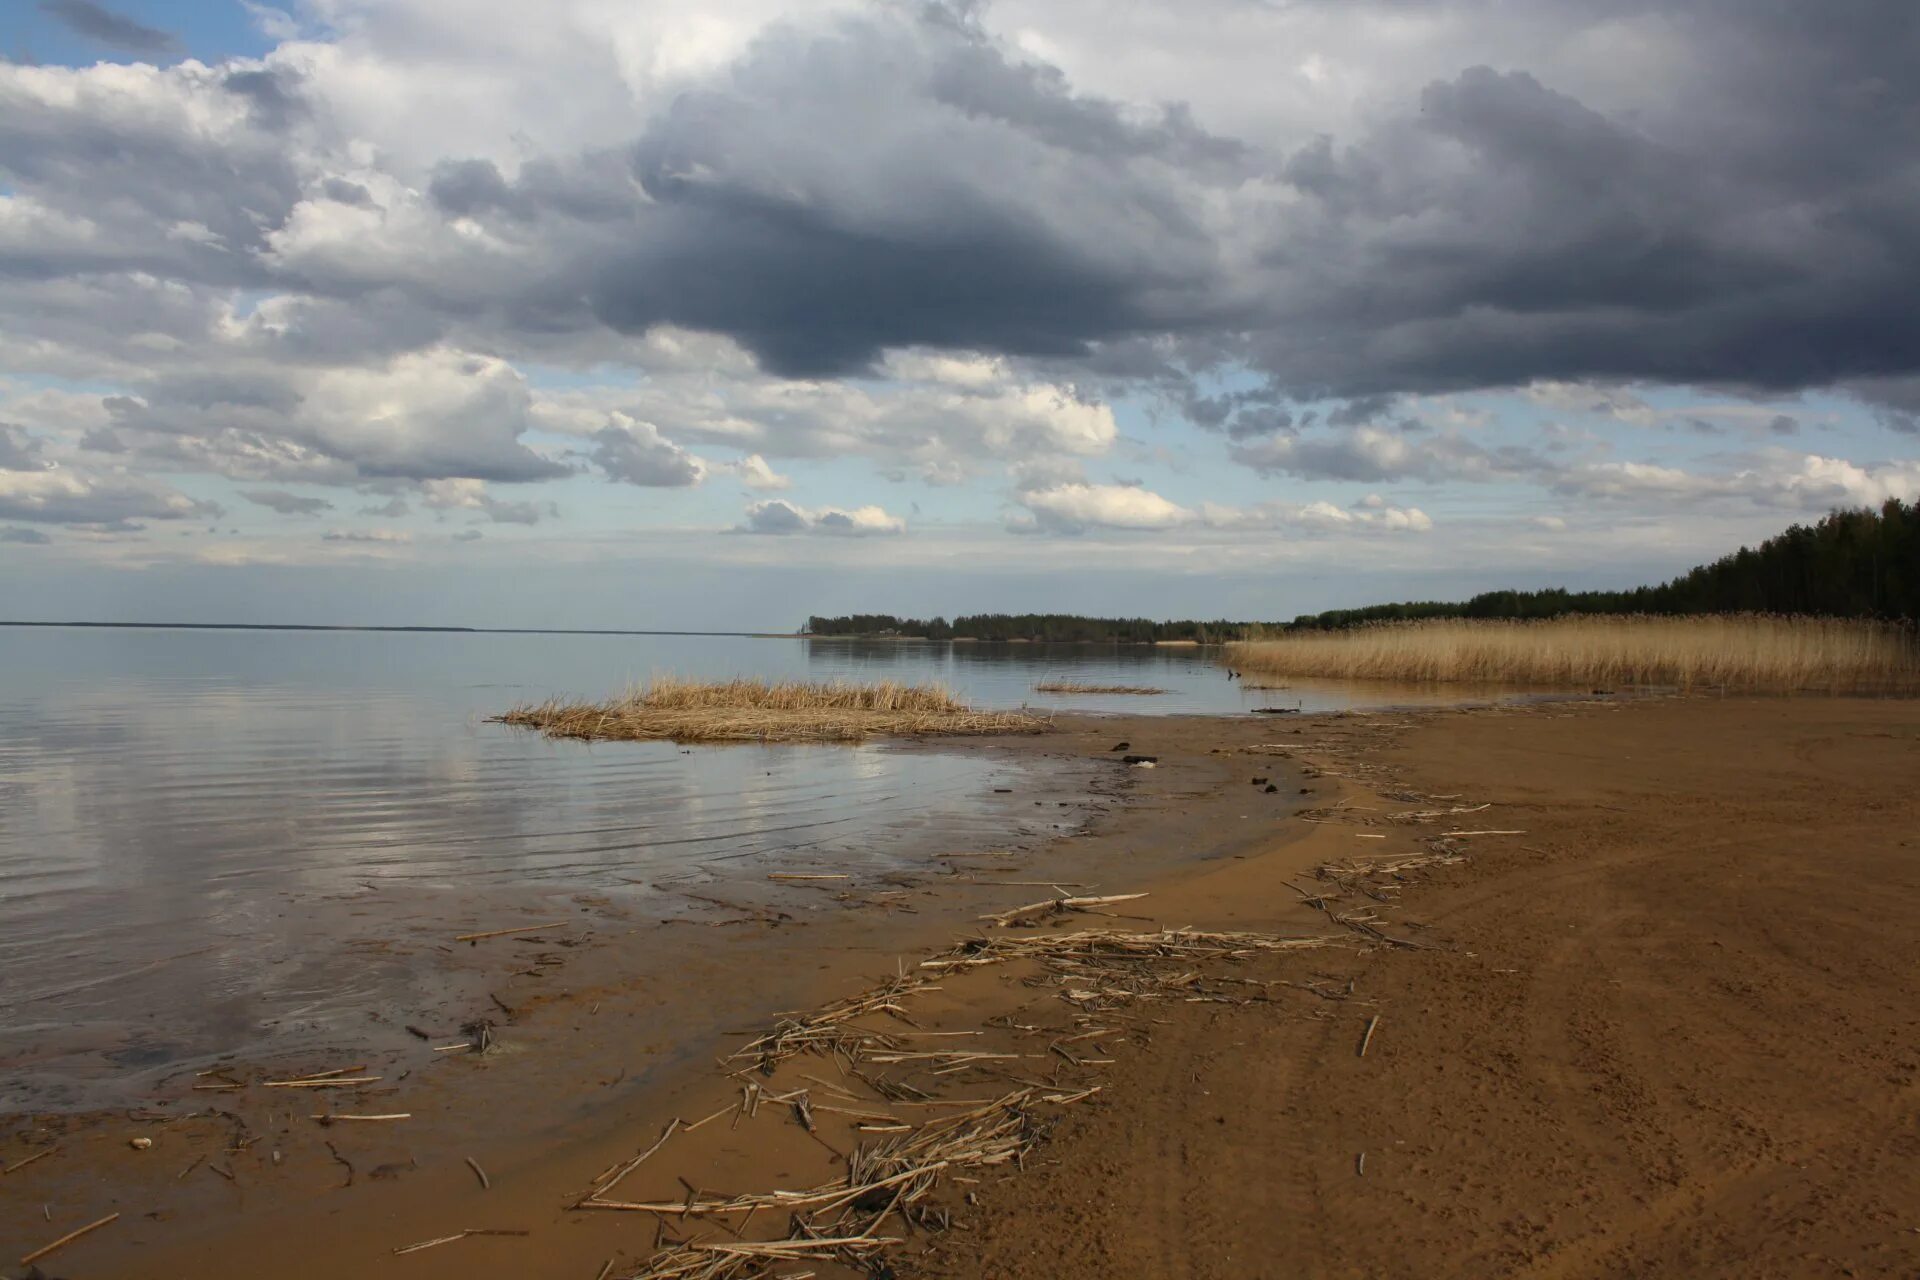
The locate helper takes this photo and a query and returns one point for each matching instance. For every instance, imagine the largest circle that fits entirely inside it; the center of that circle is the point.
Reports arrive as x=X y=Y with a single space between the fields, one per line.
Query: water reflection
x=191 y=822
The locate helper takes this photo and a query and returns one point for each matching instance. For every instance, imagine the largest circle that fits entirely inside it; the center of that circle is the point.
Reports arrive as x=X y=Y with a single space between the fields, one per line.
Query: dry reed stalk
x=759 y=711
x=22 y=1163
x=1749 y=652
x=501 y=933
x=65 y=1240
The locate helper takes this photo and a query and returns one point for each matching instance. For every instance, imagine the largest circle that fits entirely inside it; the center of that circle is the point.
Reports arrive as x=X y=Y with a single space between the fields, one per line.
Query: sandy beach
x=1659 y=1024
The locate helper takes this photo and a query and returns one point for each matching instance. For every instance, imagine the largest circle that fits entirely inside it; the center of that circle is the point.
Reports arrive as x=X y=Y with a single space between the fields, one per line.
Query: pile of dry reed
x=760 y=711
x=1096 y=972
x=1071 y=686
x=1749 y=652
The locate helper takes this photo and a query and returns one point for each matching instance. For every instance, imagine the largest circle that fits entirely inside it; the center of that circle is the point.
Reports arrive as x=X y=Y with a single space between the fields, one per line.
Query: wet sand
x=1667 y=1031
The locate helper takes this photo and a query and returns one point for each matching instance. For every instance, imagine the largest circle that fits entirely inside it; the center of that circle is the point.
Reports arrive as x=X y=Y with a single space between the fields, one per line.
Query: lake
x=187 y=816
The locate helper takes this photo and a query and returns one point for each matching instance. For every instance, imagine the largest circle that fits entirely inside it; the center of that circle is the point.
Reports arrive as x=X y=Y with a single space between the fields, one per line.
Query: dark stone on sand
x=1120 y=746
x=1139 y=759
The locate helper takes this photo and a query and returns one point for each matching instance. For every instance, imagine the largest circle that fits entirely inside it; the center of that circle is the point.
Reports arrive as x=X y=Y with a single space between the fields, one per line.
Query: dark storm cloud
x=1751 y=224
x=890 y=183
x=97 y=23
x=1742 y=215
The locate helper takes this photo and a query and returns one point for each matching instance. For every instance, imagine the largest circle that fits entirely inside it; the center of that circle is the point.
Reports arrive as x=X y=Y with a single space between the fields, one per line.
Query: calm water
x=178 y=808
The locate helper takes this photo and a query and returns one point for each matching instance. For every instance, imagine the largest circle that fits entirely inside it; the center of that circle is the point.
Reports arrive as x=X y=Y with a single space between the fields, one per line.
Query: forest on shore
x=1859 y=563
x=1059 y=628
x=1850 y=564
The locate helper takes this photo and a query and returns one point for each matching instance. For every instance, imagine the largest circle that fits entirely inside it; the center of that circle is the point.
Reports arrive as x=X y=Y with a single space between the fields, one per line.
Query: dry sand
x=1673 y=1031
x=1668 y=1031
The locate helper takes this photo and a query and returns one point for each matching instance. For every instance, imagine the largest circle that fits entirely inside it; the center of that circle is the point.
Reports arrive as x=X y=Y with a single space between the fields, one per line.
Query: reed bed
x=1746 y=652
x=761 y=711
x=1071 y=686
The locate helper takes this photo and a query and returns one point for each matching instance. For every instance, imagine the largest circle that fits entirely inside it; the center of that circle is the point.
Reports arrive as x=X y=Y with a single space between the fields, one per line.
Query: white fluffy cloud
x=1073 y=508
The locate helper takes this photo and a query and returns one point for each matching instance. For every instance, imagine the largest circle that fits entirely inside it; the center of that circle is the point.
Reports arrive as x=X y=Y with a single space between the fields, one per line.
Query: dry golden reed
x=1750 y=652
x=760 y=711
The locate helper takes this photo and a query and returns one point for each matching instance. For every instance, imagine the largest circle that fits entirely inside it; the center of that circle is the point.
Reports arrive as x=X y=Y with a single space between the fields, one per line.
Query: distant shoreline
x=348 y=626
x=562 y=631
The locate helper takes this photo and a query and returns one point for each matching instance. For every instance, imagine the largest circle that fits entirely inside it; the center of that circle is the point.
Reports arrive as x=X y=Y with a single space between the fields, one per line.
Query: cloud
x=407 y=248
x=472 y=495
x=1795 y=482
x=1080 y=508
x=68 y=496
x=938 y=418
x=1374 y=454
x=826 y=185
x=382 y=537
x=427 y=415
x=634 y=452
x=29 y=537
x=287 y=504
x=1074 y=508
x=780 y=517
x=754 y=473
x=1894 y=401
x=20 y=451
x=102 y=24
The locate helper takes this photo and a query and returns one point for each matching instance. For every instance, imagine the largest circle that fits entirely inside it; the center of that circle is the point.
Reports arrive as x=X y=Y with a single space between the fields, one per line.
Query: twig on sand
x=66 y=1240
x=41 y=1154
x=479 y=1173
x=1446 y=834
x=612 y=1176
x=347 y=1082
x=470 y=1231
x=335 y=1117
x=1373 y=1025
x=501 y=933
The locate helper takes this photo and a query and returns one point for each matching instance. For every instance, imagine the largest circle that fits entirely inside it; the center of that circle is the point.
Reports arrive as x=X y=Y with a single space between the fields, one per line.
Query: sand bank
x=1656 y=1021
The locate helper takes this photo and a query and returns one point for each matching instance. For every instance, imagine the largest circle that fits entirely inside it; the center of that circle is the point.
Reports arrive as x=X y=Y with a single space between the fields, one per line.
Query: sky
x=665 y=313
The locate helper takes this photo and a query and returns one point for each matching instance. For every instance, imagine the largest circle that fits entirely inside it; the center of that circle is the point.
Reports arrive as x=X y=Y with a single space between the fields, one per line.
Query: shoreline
x=601 y=1053
x=1417 y=1103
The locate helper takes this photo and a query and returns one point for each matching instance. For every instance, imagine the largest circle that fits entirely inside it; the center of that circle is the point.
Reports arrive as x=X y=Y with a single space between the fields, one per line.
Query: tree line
x=1850 y=564
x=1858 y=563
x=1055 y=627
